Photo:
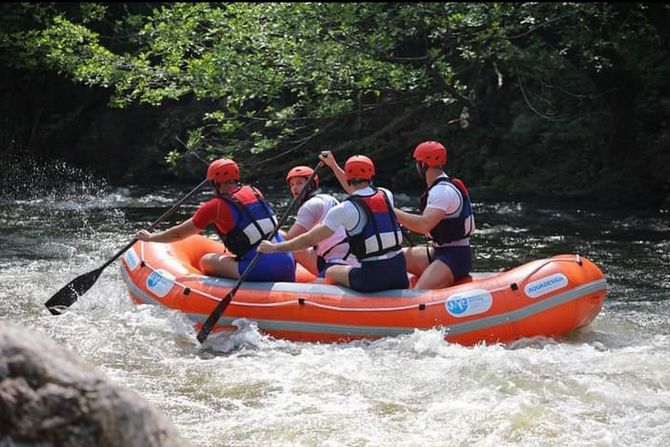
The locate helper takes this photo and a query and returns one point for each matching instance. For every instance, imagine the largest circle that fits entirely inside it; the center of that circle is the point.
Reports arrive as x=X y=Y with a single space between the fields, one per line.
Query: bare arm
x=329 y=160
x=295 y=231
x=420 y=223
x=309 y=239
x=176 y=233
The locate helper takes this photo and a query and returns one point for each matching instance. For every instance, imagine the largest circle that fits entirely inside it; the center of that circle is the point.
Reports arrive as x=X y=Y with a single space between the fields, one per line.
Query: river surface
x=607 y=384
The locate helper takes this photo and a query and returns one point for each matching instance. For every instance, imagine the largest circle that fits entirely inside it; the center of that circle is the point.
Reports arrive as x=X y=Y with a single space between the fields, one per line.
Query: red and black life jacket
x=381 y=233
x=255 y=219
x=450 y=228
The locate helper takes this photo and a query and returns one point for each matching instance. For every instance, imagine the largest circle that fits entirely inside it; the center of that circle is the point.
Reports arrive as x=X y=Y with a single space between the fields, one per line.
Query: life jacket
x=381 y=233
x=450 y=228
x=256 y=220
x=310 y=194
x=344 y=241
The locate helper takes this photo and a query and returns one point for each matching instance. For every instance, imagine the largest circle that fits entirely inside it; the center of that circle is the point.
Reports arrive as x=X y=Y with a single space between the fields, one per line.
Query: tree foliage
x=279 y=76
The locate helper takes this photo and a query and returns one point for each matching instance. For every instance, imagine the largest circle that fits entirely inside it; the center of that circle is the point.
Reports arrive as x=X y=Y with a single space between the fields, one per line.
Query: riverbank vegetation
x=562 y=100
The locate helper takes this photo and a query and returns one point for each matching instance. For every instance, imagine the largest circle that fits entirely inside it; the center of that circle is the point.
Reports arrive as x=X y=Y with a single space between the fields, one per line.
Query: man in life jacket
x=242 y=218
x=334 y=250
x=446 y=218
x=369 y=222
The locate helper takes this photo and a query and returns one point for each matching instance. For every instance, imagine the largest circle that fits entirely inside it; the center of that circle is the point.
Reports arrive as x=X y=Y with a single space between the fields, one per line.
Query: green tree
x=284 y=77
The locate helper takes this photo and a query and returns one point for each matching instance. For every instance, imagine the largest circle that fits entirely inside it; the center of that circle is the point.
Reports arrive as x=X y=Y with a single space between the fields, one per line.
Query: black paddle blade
x=214 y=317
x=208 y=326
x=66 y=296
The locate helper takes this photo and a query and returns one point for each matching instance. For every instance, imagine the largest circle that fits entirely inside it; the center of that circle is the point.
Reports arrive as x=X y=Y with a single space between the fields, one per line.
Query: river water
x=607 y=384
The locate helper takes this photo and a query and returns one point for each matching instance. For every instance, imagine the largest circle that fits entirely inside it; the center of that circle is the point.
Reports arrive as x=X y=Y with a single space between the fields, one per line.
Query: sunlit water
x=607 y=384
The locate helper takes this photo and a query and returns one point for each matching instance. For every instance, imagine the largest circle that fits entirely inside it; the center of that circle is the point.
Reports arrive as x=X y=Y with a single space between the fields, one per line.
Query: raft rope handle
x=304 y=301
x=549 y=261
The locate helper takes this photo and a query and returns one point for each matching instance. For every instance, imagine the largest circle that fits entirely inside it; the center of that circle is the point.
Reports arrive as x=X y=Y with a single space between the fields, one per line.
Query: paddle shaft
x=67 y=295
x=221 y=306
x=158 y=221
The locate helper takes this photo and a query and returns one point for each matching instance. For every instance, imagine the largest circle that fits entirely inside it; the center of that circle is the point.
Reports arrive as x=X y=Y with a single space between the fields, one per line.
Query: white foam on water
x=606 y=385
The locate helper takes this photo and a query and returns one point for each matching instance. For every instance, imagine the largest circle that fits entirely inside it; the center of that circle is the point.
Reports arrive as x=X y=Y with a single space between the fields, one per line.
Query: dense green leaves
x=279 y=75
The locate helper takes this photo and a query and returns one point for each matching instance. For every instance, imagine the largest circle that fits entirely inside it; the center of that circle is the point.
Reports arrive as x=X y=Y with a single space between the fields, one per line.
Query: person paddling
x=369 y=222
x=446 y=217
x=333 y=250
x=242 y=217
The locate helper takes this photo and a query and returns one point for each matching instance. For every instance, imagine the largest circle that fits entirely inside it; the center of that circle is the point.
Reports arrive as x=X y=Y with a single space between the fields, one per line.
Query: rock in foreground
x=50 y=397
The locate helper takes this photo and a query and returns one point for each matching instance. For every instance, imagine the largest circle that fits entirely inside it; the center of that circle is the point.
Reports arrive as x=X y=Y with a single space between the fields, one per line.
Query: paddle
x=66 y=296
x=221 y=306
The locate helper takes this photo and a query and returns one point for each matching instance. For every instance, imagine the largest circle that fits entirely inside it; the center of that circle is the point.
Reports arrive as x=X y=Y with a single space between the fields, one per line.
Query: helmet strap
x=421 y=169
x=358 y=181
x=217 y=187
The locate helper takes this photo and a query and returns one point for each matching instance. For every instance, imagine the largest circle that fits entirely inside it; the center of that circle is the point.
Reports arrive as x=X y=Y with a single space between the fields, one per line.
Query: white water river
x=605 y=385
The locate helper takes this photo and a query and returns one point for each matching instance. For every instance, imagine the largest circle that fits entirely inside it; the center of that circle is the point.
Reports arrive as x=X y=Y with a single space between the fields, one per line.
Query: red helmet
x=302 y=171
x=223 y=170
x=359 y=167
x=432 y=153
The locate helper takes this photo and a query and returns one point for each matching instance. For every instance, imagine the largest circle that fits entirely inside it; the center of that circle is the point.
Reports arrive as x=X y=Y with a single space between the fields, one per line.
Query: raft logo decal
x=469 y=303
x=160 y=282
x=545 y=285
x=131 y=259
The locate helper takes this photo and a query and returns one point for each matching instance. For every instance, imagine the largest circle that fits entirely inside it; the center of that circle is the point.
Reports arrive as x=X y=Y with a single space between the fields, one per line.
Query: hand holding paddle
x=221 y=306
x=66 y=296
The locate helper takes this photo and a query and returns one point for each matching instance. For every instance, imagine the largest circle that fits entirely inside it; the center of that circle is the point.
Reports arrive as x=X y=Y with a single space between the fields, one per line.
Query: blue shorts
x=458 y=259
x=386 y=274
x=322 y=265
x=269 y=266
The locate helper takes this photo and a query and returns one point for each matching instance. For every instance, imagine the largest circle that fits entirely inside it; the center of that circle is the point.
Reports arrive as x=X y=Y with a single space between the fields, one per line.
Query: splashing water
x=607 y=384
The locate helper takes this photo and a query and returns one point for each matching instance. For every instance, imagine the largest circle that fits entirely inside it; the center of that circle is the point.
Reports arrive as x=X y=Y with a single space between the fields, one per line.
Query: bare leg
x=339 y=274
x=219 y=265
x=436 y=276
x=307 y=258
x=417 y=259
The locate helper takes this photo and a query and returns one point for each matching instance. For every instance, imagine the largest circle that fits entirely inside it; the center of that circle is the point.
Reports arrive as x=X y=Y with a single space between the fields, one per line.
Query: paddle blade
x=66 y=296
x=208 y=326
x=214 y=317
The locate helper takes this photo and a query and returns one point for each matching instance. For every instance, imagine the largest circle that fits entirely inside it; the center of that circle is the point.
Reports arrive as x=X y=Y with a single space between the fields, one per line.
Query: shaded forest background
x=559 y=100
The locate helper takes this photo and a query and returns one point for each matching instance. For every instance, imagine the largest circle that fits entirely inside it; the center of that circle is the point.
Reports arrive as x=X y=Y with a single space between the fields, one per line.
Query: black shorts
x=385 y=274
x=458 y=259
x=322 y=266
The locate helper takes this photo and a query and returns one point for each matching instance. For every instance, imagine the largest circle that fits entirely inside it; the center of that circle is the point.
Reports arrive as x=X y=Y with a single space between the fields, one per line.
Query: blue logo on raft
x=154 y=279
x=457 y=307
x=468 y=303
x=131 y=259
x=160 y=282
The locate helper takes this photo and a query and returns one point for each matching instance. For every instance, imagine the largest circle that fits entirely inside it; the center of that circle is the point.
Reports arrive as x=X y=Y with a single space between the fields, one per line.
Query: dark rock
x=50 y=397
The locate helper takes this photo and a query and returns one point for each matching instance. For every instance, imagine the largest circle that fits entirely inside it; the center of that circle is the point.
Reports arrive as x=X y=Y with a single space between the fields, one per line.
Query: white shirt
x=347 y=215
x=312 y=213
x=447 y=198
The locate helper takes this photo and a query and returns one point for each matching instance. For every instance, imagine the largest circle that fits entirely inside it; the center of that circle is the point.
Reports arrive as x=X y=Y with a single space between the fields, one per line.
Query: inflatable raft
x=547 y=297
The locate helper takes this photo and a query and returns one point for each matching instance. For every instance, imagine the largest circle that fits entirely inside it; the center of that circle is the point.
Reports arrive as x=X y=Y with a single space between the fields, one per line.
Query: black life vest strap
x=357 y=200
x=243 y=209
x=325 y=253
x=265 y=205
x=310 y=193
x=455 y=182
x=389 y=207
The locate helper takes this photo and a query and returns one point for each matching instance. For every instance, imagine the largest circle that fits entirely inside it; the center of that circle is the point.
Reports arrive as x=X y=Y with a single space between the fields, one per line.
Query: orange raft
x=547 y=297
